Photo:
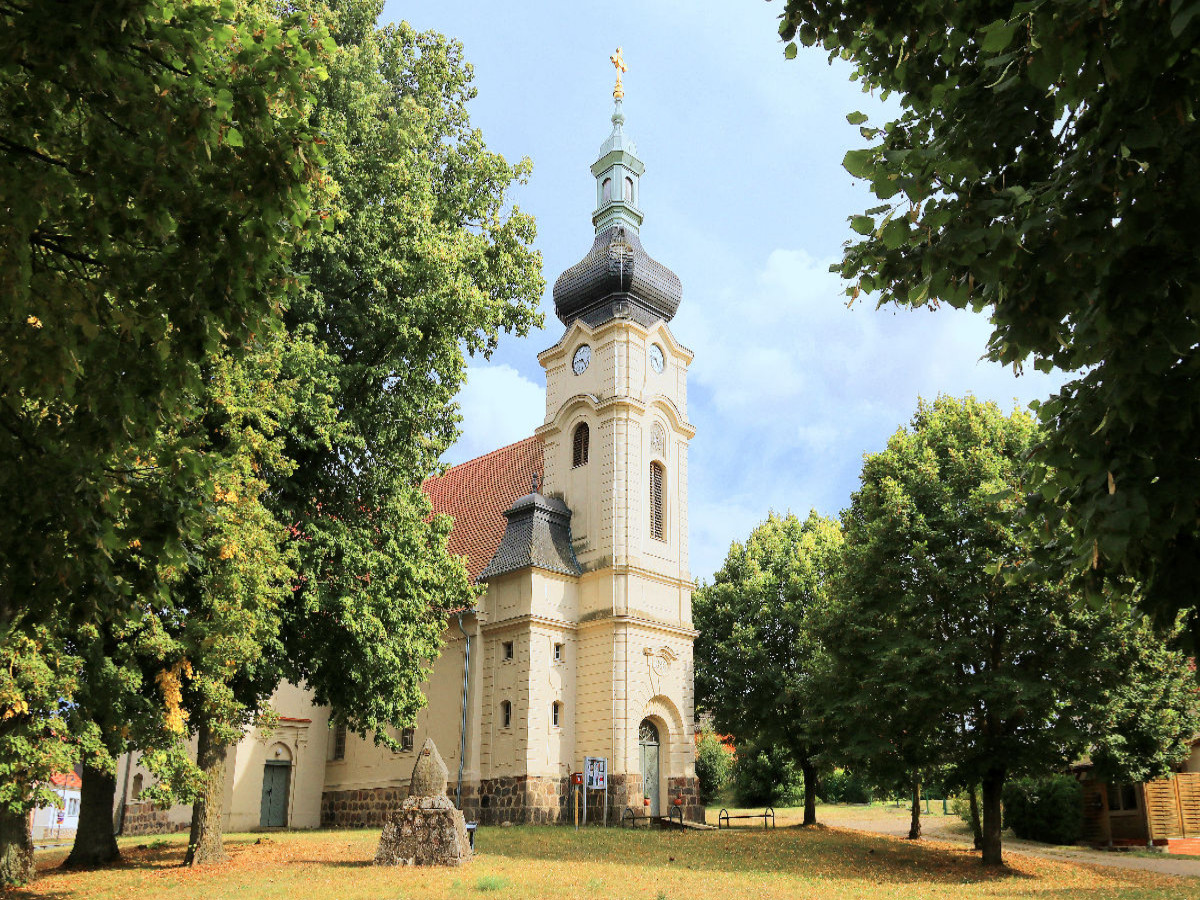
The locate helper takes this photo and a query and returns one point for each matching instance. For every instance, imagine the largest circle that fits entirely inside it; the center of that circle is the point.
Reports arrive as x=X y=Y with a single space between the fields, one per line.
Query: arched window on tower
x=579 y=453
x=606 y=190
x=629 y=189
x=656 y=501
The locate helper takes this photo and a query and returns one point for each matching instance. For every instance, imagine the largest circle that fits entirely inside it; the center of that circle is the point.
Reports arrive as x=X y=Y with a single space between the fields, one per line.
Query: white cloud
x=499 y=406
x=791 y=388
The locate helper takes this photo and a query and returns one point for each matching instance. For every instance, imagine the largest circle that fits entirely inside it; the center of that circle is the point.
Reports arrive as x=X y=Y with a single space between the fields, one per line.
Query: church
x=582 y=644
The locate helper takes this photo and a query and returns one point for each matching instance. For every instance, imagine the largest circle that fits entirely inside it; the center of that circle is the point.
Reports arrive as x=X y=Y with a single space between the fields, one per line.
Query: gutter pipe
x=462 y=746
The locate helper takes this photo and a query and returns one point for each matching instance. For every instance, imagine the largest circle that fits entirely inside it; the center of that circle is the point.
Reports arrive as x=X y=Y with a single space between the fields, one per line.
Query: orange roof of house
x=476 y=494
x=69 y=780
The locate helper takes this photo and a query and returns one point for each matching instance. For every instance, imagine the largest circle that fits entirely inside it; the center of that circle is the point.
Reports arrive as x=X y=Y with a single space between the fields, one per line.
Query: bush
x=960 y=805
x=1045 y=809
x=764 y=776
x=844 y=786
x=714 y=765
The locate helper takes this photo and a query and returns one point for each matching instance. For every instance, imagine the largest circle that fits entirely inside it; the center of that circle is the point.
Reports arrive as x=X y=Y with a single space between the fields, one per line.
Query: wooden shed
x=1164 y=812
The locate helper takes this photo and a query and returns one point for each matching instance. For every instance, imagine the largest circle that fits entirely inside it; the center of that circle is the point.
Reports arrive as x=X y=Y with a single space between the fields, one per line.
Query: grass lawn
x=558 y=863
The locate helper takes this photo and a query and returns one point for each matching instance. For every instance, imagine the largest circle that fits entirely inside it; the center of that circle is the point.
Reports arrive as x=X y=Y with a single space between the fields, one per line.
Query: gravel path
x=884 y=820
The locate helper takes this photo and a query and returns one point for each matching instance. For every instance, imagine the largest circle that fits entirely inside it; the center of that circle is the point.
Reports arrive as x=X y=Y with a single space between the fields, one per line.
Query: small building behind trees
x=1164 y=812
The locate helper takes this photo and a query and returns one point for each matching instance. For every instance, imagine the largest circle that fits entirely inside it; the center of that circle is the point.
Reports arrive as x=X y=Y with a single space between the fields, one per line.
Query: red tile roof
x=476 y=494
x=69 y=780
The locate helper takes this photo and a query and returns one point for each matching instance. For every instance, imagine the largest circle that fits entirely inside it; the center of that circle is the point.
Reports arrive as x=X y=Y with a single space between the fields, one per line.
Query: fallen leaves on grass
x=536 y=863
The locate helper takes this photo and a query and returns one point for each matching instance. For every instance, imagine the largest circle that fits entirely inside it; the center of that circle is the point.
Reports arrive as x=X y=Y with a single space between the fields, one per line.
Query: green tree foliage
x=757 y=650
x=425 y=260
x=34 y=739
x=1049 y=809
x=241 y=574
x=422 y=261
x=1001 y=677
x=844 y=786
x=164 y=671
x=766 y=775
x=714 y=763
x=1044 y=168
x=158 y=166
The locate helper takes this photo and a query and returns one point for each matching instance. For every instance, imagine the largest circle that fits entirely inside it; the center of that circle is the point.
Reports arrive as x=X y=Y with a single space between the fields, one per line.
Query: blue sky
x=745 y=199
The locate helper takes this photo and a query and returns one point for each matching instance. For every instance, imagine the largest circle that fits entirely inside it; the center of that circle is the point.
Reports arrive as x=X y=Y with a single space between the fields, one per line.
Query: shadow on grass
x=813 y=852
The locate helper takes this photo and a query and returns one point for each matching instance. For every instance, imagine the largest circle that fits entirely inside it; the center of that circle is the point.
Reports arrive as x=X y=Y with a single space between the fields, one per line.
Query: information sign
x=595 y=778
x=596 y=769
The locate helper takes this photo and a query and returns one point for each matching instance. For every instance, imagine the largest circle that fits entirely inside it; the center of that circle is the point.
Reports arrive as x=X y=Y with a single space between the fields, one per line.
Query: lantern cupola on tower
x=617 y=278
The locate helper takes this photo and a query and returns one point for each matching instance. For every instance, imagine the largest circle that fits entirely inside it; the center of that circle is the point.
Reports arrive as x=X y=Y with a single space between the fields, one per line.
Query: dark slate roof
x=538 y=534
x=617 y=279
x=476 y=494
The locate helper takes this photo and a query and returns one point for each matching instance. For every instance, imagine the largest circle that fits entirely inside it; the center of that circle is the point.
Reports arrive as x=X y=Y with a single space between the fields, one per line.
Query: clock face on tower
x=583 y=356
x=656 y=358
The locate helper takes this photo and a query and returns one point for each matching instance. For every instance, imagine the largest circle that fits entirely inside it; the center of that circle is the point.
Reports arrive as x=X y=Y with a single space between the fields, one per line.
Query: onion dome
x=617 y=279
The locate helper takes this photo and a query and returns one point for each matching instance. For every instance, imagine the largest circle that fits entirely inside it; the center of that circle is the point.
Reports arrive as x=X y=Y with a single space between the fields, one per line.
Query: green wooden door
x=276 y=776
x=649 y=747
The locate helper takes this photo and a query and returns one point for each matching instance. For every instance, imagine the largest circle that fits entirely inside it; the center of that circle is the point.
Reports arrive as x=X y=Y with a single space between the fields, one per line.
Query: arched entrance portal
x=277 y=777
x=648 y=745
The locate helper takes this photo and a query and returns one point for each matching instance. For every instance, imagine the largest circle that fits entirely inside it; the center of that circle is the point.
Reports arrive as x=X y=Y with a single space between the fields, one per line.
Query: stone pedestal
x=426 y=829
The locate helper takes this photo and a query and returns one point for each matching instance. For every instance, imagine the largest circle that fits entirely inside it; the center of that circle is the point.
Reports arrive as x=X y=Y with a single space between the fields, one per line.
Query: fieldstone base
x=424 y=831
x=359 y=809
x=148 y=818
x=623 y=791
x=688 y=791
x=523 y=800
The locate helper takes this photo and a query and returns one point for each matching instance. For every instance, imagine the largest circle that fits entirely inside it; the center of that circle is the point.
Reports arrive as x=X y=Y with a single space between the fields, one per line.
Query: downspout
x=462 y=746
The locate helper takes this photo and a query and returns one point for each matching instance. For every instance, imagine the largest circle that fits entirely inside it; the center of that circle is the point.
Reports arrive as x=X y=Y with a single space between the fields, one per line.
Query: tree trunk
x=810 y=793
x=16 y=849
x=914 y=827
x=95 y=844
x=993 y=787
x=976 y=829
x=206 y=844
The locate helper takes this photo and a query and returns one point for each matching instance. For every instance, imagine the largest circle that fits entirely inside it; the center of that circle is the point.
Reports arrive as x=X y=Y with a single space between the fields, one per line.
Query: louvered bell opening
x=339 y=741
x=580 y=455
x=656 y=501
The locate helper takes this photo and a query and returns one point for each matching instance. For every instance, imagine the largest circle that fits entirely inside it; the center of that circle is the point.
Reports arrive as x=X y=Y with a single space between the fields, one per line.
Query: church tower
x=616 y=440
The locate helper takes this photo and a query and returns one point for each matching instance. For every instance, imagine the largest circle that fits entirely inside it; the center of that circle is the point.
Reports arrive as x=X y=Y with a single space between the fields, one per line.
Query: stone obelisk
x=425 y=829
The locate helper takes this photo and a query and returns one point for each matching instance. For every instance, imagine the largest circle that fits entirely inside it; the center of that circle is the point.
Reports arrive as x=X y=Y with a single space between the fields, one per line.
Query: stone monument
x=425 y=829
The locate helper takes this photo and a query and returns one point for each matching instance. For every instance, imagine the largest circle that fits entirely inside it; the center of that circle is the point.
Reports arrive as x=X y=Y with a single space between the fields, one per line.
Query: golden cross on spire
x=618 y=62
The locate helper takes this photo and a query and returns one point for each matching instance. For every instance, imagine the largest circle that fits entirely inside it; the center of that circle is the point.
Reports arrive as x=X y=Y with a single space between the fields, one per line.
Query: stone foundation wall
x=146 y=818
x=359 y=809
x=623 y=791
x=688 y=790
x=520 y=799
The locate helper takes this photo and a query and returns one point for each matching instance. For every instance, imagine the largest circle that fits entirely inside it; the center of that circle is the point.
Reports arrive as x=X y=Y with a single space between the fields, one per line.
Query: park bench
x=471 y=826
x=767 y=815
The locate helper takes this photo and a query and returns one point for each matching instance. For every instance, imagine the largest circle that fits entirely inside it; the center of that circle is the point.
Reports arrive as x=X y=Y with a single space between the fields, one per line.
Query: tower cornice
x=580 y=328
